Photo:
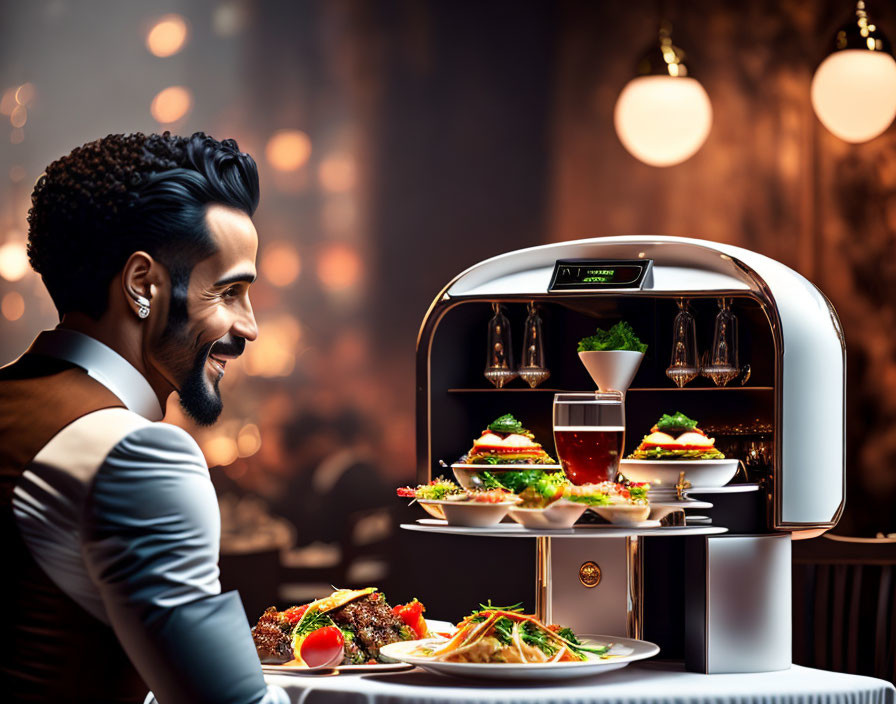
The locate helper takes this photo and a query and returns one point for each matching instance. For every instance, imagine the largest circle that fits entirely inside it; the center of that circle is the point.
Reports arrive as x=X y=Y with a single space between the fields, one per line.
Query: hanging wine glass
x=499 y=361
x=683 y=365
x=533 y=370
x=723 y=365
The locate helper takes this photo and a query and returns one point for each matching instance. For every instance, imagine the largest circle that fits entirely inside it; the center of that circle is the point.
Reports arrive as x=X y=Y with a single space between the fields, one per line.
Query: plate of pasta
x=504 y=643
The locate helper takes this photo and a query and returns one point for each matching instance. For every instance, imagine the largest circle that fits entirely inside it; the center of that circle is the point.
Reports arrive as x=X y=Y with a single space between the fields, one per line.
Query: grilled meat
x=373 y=622
x=271 y=636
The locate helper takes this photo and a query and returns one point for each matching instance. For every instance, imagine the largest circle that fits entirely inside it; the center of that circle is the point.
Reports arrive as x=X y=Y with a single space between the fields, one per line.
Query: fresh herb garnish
x=677 y=421
x=311 y=621
x=619 y=337
x=506 y=424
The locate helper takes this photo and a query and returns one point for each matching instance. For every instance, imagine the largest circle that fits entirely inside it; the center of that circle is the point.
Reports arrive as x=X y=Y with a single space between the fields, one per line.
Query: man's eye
x=231 y=292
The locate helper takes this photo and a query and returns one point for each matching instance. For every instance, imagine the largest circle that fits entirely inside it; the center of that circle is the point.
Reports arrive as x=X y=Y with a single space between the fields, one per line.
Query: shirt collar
x=103 y=364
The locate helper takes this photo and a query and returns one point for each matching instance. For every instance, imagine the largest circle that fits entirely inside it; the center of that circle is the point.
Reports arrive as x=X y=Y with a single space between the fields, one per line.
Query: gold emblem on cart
x=589 y=574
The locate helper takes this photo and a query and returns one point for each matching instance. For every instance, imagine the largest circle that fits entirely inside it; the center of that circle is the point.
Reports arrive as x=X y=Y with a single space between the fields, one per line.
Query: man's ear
x=139 y=279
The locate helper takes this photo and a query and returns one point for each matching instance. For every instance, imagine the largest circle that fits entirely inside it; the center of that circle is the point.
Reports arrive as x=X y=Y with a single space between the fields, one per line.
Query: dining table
x=650 y=682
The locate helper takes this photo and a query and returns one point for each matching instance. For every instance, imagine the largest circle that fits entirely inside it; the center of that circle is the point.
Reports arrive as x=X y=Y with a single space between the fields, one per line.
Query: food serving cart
x=713 y=590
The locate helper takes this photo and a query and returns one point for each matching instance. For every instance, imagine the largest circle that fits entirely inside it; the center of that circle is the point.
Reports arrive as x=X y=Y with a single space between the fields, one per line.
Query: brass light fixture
x=854 y=88
x=663 y=116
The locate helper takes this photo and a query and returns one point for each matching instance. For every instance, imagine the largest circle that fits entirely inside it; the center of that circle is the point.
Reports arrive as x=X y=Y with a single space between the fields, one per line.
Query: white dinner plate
x=624 y=651
x=348 y=669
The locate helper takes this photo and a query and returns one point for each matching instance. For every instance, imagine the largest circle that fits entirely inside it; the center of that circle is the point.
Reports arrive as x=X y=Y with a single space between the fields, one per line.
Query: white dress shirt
x=119 y=511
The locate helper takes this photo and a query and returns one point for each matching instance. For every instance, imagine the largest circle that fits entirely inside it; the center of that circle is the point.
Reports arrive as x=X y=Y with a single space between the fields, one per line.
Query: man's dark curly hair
x=127 y=192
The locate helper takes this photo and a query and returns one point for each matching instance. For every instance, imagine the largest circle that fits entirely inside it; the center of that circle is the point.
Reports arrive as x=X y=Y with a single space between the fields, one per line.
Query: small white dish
x=560 y=514
x=623 y=514
x=663 y=475
x=471 y=514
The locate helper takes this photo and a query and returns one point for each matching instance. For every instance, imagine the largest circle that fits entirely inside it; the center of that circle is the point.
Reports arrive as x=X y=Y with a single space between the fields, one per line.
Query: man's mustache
x=229 y=346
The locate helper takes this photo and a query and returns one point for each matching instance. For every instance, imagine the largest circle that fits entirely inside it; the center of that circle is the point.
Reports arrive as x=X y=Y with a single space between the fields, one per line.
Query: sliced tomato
x=294 y=614
x=412 y=616
x=324 y=647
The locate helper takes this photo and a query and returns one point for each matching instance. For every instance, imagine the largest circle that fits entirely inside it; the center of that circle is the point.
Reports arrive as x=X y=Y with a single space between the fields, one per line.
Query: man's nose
x=245 y=325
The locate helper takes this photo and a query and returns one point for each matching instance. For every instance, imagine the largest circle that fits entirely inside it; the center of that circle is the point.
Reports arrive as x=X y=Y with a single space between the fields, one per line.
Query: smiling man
x=109 y=525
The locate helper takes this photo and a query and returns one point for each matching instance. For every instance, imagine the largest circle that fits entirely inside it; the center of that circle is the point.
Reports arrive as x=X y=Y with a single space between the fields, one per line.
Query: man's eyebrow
x=235 y=278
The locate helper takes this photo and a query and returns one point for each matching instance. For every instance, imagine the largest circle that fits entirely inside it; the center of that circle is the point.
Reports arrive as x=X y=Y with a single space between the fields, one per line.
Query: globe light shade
x=854 y=93
x=663 y=120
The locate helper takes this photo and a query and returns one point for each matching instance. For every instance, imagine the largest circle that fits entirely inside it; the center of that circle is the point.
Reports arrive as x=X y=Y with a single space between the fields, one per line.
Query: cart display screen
x=572 y=274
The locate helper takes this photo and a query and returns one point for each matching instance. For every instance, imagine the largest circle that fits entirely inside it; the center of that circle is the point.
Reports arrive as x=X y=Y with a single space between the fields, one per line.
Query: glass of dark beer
x=589 y=429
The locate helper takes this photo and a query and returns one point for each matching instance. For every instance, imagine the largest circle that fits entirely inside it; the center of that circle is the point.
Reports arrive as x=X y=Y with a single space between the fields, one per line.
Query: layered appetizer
x=506 y=441
x=348 y=627
x=676 y=437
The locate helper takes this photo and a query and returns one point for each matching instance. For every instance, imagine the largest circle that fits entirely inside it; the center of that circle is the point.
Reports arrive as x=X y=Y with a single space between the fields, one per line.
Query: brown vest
x=52 y=649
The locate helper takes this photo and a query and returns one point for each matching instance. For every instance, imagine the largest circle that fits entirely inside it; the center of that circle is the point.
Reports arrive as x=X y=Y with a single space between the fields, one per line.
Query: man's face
x=210 y=319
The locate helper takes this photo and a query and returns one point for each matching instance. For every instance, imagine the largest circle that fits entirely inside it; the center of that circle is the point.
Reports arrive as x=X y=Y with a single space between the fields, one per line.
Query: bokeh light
x=339 y=267
x=273 y=354
x=19 y=116
x=220 y=451
x=248 y=442
x=16 y=173
x=280 y=263
x=24 y=94
x=167 y=36
x=13 y=260
x=12 y=306
x=171 y=104
x=288 y=150
x=337 y=173
x=16 y=136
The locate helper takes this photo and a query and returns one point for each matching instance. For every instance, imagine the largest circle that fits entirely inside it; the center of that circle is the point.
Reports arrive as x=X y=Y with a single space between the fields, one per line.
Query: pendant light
x=663 y=116
x=854 y=88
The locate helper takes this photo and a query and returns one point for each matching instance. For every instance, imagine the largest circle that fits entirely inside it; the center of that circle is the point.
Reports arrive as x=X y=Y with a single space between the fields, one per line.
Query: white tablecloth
x=639 y=683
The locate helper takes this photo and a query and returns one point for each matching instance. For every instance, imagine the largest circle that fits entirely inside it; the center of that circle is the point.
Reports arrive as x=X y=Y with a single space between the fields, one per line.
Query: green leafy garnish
x=677 y=421
x=619 y=337
x=437 y=489
x=506 y=424
x=518 y=482
x=311 y=621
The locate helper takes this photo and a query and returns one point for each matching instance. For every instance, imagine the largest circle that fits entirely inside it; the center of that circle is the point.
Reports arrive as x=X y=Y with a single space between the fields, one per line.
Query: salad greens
x=544 y=484
x=619 y=337
x=506 y=424
x=677 y=421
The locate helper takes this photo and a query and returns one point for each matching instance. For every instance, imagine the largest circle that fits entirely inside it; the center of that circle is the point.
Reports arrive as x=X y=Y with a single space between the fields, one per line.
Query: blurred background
x=401 y=141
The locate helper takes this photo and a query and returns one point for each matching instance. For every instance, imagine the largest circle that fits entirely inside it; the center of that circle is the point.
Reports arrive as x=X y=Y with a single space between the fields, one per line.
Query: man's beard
x=200 y=403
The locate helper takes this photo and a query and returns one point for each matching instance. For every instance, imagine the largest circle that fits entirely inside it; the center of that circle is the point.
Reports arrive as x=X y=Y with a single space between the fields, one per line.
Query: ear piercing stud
x=142 y=306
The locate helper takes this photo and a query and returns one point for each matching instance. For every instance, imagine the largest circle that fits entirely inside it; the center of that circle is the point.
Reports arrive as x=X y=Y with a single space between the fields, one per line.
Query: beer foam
x=590 y=428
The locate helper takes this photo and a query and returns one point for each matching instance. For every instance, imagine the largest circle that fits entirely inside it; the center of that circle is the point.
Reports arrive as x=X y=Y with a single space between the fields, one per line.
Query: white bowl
x=472 y=514
x=623 y=514
x=663 y=474
x=612 y=370
x=560 y=514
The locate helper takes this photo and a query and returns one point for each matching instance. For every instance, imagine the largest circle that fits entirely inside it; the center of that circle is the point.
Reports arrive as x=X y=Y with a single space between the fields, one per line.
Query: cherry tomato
x=323 y=647
x=294 y=614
